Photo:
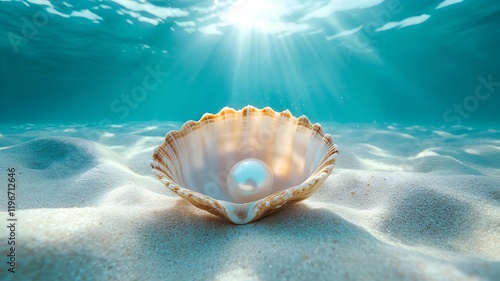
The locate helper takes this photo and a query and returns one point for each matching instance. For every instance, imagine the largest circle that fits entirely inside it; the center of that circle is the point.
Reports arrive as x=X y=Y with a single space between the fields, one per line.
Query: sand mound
x=55 y=157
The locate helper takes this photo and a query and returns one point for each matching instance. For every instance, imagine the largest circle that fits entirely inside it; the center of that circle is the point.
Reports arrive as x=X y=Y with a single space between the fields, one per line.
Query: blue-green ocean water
x=117 y=61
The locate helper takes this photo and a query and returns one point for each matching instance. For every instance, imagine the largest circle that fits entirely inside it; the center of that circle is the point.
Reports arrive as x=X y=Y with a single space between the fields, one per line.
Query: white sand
x=402 y=204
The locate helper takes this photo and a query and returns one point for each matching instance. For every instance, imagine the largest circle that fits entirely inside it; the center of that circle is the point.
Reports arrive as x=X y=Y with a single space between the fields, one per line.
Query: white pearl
x=249 y=180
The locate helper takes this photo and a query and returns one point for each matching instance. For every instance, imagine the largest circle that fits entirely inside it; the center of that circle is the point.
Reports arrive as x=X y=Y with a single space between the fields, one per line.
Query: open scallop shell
x=194 y=162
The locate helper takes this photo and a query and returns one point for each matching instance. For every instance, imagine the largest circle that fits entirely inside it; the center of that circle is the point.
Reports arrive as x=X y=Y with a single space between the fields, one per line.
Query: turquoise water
x=118 y=61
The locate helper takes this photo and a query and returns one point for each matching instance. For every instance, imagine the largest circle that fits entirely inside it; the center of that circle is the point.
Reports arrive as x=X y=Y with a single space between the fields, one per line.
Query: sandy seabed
x=402 y=203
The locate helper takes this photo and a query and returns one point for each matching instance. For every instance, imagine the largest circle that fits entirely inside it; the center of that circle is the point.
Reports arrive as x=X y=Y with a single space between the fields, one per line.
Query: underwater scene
x=250 y=140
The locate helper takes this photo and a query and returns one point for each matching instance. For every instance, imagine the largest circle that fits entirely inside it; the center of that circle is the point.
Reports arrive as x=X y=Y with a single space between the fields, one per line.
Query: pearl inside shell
x=249 y=180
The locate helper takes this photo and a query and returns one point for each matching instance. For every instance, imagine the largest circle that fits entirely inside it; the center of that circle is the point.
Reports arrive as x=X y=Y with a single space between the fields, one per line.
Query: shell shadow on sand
x=211 y=241
x=318 y=243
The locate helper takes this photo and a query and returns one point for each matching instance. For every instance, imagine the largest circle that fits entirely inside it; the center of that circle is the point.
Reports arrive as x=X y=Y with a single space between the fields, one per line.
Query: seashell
x=246 y=164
